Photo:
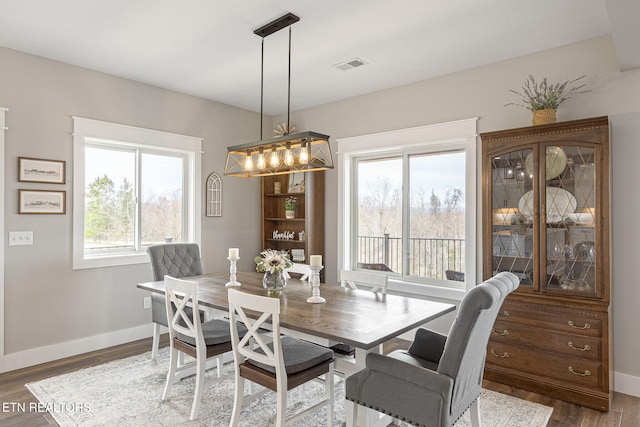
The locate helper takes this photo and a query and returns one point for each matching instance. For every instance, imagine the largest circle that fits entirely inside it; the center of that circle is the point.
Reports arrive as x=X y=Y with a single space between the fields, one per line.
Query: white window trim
x=460 y=134
x=143 y=138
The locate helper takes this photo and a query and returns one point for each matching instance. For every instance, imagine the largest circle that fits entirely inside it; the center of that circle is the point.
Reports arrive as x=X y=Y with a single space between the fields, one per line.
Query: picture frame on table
x=41 y=170
x=42 y=202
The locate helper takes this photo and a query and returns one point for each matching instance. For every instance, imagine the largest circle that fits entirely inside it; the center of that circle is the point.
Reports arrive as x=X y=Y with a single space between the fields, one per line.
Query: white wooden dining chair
x=187 y=334
x=302 y=269
x=377 y=281
x=351 y=279
x=279 y=365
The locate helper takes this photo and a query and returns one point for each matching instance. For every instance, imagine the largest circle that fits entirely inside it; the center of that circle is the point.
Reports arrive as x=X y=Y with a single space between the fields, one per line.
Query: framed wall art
x=296 y=182
x=41 y=170
x=214 y=195
x=42 y=202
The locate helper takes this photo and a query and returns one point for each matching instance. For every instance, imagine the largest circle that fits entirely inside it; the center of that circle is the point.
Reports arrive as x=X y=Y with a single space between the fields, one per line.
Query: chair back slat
x=377 y=281
x=180 y=294
x=303 y=269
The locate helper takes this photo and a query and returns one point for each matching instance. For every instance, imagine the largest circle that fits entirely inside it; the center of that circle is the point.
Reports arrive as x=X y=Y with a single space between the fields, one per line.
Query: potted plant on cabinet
x=290 y=207
x=544 y=98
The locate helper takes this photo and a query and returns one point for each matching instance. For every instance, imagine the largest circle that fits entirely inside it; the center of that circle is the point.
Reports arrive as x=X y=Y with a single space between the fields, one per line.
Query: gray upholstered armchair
x=439 y=377
x=176 y=260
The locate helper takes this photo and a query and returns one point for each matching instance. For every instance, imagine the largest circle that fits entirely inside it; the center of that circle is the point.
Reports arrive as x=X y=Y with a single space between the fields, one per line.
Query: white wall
x=50 y=310
x=482 y=92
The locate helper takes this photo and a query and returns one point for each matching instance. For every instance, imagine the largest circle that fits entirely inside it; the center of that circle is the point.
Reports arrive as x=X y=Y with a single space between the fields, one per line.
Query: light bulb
x=261 y=162
x=248 y=162
x=288 y=157
x=304 y=154
x=274 y=160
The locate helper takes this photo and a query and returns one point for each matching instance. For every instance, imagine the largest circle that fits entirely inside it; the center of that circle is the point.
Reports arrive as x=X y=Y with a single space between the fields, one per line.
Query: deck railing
x=428 y=257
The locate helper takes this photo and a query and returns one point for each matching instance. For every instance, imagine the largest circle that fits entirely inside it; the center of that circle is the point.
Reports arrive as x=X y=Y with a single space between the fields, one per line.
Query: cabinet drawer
x=552 y=367
x=547 y=340
x=581 y=322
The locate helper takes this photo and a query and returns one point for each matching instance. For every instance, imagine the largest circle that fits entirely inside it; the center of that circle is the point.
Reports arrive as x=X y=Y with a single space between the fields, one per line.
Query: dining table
x=354 y=317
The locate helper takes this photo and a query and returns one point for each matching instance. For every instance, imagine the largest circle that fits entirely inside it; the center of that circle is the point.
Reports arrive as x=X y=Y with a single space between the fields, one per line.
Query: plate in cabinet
x=560 y=203
x=556 y=162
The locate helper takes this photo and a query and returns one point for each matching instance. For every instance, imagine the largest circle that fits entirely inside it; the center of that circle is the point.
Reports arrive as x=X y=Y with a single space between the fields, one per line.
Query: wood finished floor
x=625 y=409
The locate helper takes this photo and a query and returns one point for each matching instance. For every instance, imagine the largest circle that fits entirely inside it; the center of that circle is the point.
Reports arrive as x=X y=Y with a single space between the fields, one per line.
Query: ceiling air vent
x=348 y=65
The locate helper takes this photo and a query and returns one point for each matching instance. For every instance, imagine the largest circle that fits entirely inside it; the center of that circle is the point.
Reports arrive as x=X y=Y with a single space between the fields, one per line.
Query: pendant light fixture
x=299 y=152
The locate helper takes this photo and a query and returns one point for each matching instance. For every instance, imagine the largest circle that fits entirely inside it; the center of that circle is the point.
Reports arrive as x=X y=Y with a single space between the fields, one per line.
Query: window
x=408 y=204
x=133 y=187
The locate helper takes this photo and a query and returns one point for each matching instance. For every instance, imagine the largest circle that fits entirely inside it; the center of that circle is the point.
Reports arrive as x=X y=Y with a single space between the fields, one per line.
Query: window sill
x=110 y=261
x=428 y=291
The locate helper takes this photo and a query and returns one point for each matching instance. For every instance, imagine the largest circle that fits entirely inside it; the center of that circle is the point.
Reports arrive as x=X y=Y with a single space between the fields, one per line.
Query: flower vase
x=289 y=214
x=274 y=282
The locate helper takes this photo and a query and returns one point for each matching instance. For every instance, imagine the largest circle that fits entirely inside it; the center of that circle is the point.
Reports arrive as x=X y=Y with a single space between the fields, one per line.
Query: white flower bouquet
x=272 y=260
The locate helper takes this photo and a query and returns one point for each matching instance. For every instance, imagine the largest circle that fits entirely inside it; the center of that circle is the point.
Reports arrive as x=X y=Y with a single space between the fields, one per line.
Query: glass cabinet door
x=543 y=224
x=568 y=214
x=512 y=219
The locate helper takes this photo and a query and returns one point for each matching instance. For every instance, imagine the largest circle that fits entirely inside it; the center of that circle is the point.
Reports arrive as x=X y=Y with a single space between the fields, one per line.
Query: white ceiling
x=207 y=48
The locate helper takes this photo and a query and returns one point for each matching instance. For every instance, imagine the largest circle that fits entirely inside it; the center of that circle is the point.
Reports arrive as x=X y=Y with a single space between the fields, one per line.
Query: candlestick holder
x=232 y=273
x=315 y=297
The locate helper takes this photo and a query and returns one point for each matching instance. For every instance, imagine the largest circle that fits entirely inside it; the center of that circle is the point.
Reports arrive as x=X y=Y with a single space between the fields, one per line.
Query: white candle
x=316 y=260
x=234 y=252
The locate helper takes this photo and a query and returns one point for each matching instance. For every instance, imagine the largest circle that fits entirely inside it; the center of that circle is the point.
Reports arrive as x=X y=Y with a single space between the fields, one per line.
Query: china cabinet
x=300 y=232
x=546 y=218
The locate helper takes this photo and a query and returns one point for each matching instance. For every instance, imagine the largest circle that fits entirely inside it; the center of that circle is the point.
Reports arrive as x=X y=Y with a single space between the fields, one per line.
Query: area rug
x=127 y=392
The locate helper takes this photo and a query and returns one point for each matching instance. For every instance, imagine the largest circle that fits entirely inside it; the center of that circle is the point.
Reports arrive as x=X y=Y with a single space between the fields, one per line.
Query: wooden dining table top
x=356 y=317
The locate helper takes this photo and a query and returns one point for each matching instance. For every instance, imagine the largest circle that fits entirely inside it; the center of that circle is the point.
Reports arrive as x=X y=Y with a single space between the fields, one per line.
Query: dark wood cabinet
x=302 y=235
x=546 y=217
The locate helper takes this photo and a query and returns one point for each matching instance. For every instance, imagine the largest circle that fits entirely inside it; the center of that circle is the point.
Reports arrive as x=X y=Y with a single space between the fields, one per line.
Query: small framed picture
x=42 y=202
x=296 y=182
x=41 y=170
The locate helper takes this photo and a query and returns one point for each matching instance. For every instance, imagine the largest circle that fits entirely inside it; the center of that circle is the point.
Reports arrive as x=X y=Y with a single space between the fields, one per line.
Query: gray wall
x=42 y=95
x=482 y=92
x=48 y=303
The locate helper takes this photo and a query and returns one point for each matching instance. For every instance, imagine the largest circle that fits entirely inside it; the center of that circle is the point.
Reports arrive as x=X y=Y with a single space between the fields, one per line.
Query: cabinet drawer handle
x=573 y=325
x=586 y=373
x=503 y=333
x=587 y=347
x=503 y=314
x=502 y=356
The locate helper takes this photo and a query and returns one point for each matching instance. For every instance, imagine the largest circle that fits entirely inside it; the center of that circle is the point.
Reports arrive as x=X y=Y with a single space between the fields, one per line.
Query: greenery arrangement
x=272 y=260
x=542 y=96
x=290 y=203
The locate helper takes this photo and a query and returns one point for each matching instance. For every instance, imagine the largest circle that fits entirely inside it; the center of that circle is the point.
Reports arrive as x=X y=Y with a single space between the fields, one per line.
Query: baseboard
x=626 y=384
x=36 y=356
x=623 y=383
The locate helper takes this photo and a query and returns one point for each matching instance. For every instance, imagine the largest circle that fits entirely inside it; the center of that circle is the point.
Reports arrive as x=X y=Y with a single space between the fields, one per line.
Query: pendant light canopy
x=299 y=152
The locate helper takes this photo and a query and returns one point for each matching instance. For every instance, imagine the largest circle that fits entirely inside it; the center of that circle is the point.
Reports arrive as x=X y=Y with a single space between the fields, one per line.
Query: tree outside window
x=111 y=212
x=411 y=213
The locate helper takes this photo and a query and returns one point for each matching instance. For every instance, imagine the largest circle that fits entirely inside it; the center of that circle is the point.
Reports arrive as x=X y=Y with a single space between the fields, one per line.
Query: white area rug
x=127 y=392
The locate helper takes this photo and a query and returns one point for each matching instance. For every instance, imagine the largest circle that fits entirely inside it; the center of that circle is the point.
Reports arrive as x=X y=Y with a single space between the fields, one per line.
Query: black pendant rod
x=289 y=86
x=261 y=86
x=264 y=31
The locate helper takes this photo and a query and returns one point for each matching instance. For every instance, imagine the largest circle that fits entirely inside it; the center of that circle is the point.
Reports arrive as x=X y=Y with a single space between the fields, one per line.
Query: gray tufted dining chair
x=176 y=260
x=439 y=377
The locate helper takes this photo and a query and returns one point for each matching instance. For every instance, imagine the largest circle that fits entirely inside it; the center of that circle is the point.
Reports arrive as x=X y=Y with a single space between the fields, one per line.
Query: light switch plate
x=17 y=238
